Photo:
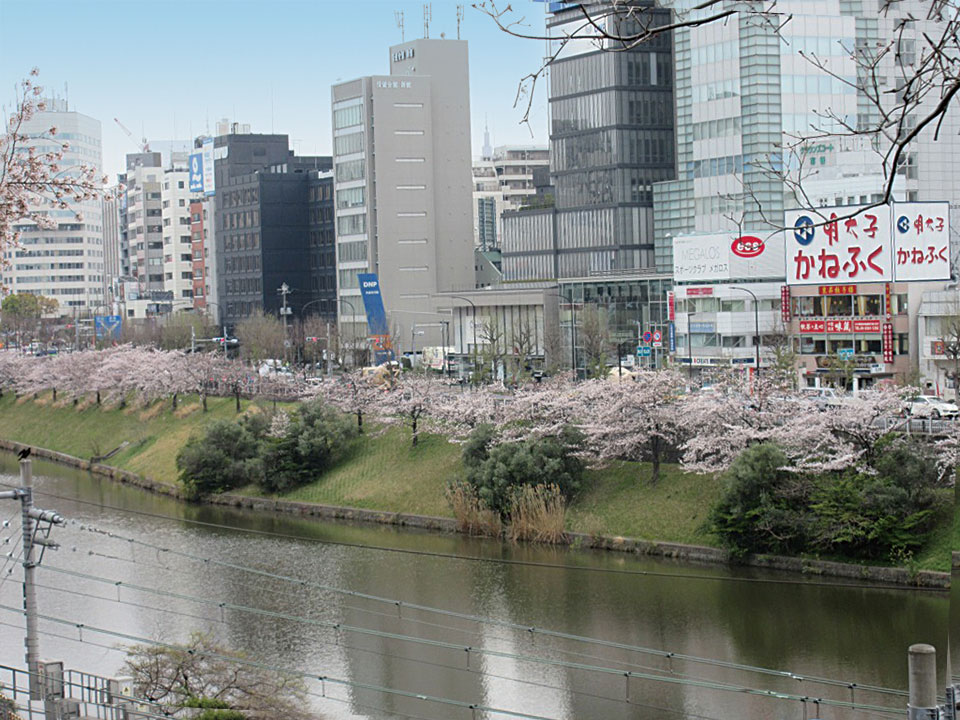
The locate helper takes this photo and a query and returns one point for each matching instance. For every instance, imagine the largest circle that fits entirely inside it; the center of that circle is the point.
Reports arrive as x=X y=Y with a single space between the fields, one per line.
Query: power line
x=500 y=561
x=400 y=605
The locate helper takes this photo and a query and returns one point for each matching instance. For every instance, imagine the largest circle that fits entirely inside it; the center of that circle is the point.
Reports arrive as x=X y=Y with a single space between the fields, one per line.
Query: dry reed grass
x=187 y=409
x=538 y=514
x=472 y=514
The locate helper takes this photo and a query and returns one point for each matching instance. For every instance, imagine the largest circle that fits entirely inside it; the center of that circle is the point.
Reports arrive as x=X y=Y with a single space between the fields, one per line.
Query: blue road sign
x=644 y=351
x=107 y=326
x=803 y=230
x=672 y=336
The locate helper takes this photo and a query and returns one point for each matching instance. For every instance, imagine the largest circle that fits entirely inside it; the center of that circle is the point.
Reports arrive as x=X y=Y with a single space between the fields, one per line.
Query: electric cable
x=399 y=604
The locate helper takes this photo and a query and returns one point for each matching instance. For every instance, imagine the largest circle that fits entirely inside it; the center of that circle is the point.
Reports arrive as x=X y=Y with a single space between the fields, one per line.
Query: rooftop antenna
x=398 y=16
x=427 y=17
x=459 y=19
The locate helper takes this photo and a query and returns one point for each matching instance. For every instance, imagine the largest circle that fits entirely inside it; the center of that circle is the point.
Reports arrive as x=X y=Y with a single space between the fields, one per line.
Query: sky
x=169 y=69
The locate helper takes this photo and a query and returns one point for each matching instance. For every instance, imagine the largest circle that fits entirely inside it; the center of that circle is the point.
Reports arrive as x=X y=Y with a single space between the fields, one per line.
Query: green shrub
x=223 y=459
x=296 y=452
x=762 y=508
x=885 y=509
x=496 y=469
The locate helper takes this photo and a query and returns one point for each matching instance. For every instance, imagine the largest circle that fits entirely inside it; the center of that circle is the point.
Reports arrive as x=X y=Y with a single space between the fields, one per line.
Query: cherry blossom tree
x=412 y=401
x=354 y=394
x=635 y=420
x=32 y=182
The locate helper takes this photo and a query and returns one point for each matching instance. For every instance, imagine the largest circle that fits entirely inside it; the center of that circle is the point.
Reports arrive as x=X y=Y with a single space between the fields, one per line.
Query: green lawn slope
x=382 y=471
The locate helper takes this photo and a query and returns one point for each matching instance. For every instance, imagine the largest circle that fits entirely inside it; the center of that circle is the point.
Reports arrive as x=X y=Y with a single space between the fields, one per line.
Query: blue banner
x=107 y=326
x=672 y=336
x=376 y=317
x=196 y=172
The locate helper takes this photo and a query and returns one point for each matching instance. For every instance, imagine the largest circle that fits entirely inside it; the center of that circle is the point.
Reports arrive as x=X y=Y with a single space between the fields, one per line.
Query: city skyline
x=162 y=92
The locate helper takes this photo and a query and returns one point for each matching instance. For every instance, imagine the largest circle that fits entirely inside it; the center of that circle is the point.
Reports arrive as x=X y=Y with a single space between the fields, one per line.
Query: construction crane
x=143 y=144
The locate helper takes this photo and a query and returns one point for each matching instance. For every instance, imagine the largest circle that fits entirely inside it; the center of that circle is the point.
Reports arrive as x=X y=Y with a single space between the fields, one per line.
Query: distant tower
x=487 y=151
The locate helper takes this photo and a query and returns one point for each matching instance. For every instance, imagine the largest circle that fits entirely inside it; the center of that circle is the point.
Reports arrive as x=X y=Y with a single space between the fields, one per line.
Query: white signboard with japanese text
x=838 y=245
x=209 y=180
x=726 y=256
x=921 y=241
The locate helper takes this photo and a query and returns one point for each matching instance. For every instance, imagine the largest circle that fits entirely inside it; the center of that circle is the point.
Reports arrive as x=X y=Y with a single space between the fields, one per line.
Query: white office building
x=402 y=160
x=177 y=239
x=66 y=263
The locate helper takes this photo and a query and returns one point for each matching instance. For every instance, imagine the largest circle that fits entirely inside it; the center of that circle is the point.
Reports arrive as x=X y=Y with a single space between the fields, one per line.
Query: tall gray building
x=401 y=146
x=611 y=139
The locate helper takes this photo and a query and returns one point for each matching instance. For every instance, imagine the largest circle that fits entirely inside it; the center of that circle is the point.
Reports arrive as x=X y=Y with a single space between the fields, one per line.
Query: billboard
x=196 y=172
x=209 y=181
x=837 y=245
x=726 y=256
x=376 y=317
x=921 y=241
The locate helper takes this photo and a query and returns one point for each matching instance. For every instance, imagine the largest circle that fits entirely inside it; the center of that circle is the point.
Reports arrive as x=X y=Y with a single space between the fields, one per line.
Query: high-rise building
x=402 y=178
x=65 y=263
x=503 y=180
x=111 y=243
x=177 y=239
x=322 y=231
x=611 y=139
x=143 y=229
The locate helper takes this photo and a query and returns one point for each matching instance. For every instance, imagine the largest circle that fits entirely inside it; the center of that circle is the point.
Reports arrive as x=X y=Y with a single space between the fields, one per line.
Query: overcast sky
x=169 y=69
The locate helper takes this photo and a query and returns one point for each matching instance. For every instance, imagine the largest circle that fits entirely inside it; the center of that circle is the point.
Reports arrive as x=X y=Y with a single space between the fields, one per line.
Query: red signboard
x=671 y=307
x=747 y=246
x=838 y=245
x=839 y=327
x=937 y=347
x=888 y=342
x=699 y=291
x=887 y=302
x=785 y=303
x=838 y=289
x=811 y=326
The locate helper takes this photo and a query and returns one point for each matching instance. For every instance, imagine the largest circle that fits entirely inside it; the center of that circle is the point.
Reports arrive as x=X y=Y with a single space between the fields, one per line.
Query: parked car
x=930 y=406
x=823 y=398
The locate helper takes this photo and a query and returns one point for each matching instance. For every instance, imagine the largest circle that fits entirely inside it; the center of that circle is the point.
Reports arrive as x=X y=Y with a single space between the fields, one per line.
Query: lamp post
x=303 y=315
x=573 y=332
x=353 y=310
x=690 y=314
x=472 y=305
x=756 y=321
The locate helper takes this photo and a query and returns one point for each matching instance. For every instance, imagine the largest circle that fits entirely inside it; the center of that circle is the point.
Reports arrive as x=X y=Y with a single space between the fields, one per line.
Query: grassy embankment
x=382 y=471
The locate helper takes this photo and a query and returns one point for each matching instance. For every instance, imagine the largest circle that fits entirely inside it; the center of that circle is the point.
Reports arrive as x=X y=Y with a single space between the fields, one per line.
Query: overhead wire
x=499 y=561
x=340 y=627
x=400 y=605
x=82 y=627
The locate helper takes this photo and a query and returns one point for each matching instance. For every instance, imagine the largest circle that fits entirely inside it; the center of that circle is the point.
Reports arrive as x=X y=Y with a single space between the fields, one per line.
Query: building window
x=350 y=198
x=351 y=225
x=348 y=144
x=347 y=117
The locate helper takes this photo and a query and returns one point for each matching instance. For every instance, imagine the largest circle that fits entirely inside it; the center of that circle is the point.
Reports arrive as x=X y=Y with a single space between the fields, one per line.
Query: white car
x=823 y=398
x=931 y=406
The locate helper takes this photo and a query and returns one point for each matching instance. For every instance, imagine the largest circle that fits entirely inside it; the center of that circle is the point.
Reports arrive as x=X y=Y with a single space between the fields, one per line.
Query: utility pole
x=329 y=350
x=33 y=535
x=193 y=340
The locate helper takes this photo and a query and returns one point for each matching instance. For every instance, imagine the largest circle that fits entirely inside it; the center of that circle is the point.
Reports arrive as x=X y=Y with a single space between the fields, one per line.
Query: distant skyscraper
x=611 y=138
x=66 y=263
x=404 y=211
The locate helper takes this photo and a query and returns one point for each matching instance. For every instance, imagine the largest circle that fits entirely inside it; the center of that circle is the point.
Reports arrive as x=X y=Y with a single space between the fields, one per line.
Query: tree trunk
x=414 y=432
x=236 y=395
x=203 y=400
x=174 y=402
x=54 y=394
x=98 y=397
x=655 y=447
x=359 y=421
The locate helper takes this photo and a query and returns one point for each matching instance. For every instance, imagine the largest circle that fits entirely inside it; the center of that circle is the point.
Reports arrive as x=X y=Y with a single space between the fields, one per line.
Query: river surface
x=743 y=617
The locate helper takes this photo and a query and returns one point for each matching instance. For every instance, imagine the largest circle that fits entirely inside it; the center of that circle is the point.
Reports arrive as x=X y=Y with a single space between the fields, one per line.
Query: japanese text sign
x=921 y=241
x=830 y=246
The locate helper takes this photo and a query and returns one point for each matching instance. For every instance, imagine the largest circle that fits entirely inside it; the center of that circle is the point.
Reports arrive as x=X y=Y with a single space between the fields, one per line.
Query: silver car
x=931 y=406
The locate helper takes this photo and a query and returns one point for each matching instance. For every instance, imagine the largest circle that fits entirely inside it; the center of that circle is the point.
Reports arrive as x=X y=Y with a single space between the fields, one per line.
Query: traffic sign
x=657 y=338
x=647 y=336
x=644 y=352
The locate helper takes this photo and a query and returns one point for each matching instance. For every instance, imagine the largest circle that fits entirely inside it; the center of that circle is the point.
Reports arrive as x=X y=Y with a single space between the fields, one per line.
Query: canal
x=409 y=624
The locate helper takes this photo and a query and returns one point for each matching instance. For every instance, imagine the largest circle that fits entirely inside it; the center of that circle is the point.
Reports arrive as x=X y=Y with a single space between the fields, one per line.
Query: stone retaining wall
x=677 y=551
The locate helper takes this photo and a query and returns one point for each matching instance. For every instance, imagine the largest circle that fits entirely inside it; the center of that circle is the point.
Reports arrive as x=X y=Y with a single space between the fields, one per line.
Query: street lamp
x=573 y=332
x=353 y=310
x=472 y=305
x=756 y=320
x=303 y=315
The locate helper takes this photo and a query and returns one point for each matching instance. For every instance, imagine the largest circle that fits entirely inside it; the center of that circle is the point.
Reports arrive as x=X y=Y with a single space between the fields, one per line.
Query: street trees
x=22 y=312
x=261 y=338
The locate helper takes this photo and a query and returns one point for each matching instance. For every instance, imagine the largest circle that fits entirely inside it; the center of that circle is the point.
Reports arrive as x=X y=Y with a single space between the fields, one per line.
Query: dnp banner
x=376 y=317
